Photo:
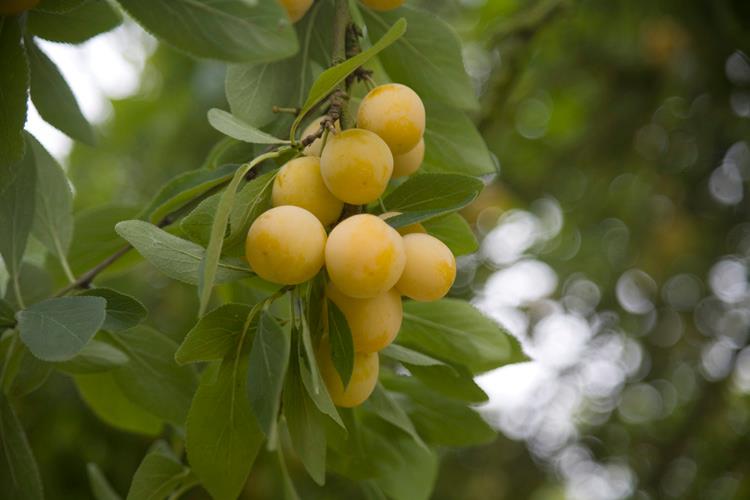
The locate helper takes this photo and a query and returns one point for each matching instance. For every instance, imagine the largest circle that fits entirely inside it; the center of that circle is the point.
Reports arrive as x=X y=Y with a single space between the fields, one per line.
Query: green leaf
x=151 y=378
x=25 y=482
x=184 y=188
x=14 y=83
x=76 y=24
x=177 y=258
x=330 y=78
x=58 y=5
x=223 y=437
x=25 y=373
x=454 y=330
x=210 y=262
x=253 y=89
x=426 y=196
x=158 y=475
x=452 y=381
x=428 y=57
x=105 y=398
x=455 y=232
x=408 y=356
x=123 y=311
x=100 y=487
x=231 y=30
x=235 y=128
x=306 y=427
x=441 y=420
x=35 y=285
x=342 y=345
x=53 y=98
x=96 y=356
x=53 y=212
x=7 y=315
x=251 y=201
x=269 y=359
x=216 y=335
x=383 y=405
x=17 y=181
x=453 y=144
x=57 y=329
x=94 y=236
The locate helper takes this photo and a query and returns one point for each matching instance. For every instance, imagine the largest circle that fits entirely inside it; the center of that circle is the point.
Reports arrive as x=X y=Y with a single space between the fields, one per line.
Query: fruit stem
x=342 y=20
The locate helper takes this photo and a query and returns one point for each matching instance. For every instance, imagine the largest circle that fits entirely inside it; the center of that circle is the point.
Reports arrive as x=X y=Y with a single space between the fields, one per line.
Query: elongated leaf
x=384 y=406
x=53 y=98
x=269 y=359
x=455 y=331
x=427 y=58
x=210 y=262
x=231 y=30
x=76 y=24
x=253 y=89
x=342 y=345
x=177 y=258
x=17 y=188
x=223 y=437
x=53 y=212
x=453 y=144
x=158 y=475
x=17 y=458
x=100 y=487
x=123 y=311
x=429 y=192
x=306 y=427
x=454 y=231
x=216 y=335
x=14 y=83
x=7 y=315
x=252 y=200
x=151 y=378
x=183 y=188
x=101 y=393
x=25 y=373
x=234 y=127
x=57 y=329
x=409 y=356
x=439 y=419
x=58 y=6
x=96 y=356
x=452 y=381
x=330 y=78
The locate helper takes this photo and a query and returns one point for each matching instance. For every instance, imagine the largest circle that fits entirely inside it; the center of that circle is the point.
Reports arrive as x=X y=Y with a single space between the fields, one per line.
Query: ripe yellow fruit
x=299 y=183
x=430 y=268
x=296 y=9
x=286 y=245
x=316 y=148
x=11 y=7
x=403 y=231
x=373 y=322
x=356 y=166
x=394 y=112
x=364 y=256
x=383 y=5
x=363 y=380
x=409 y=162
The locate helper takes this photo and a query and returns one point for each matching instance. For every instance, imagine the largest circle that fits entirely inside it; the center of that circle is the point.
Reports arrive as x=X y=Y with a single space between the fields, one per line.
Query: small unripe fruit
x=409 y=162
x=356 y=166
x=362 y=382
x=364 y=256
x=286 y=245
x=404 y=230
x=394 y=112
x=373 y=322
x=296 y=9
x=11 y=7
x=316 y=148
x=430 y=268
x=299 y=183
x=383 y=5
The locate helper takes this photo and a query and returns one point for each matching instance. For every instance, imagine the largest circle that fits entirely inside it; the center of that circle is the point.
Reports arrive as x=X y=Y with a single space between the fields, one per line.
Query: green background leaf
x=17 y=457
x=76 y=24
x=455 y=232
x=236 y=128
x=14 y=82
x=123 y=311
x=216 y=334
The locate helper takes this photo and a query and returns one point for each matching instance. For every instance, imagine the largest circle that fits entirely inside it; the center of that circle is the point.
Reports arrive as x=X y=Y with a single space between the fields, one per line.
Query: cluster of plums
x=370 y=265
x=296 y=9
